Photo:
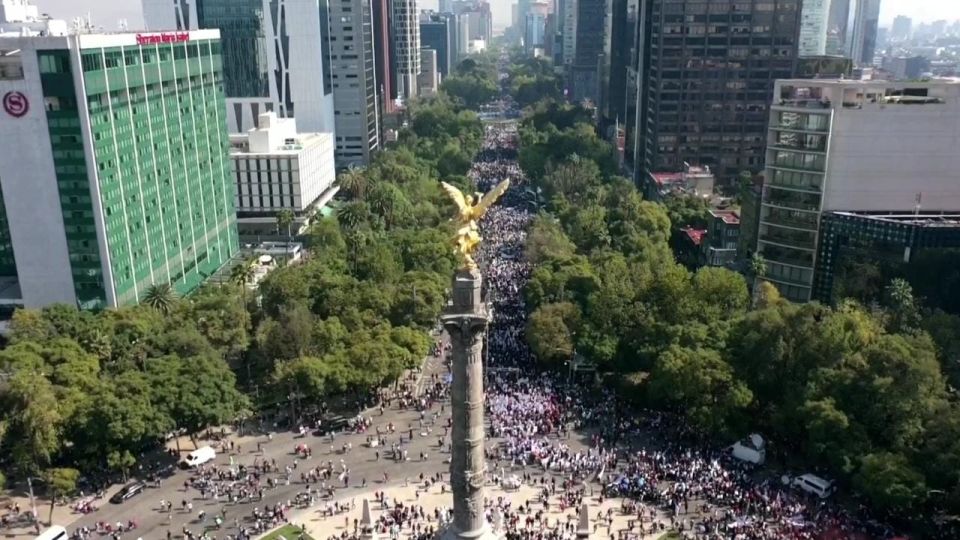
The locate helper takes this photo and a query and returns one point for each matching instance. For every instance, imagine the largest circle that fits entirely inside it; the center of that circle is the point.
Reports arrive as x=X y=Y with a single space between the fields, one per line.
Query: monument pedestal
x=465 y=320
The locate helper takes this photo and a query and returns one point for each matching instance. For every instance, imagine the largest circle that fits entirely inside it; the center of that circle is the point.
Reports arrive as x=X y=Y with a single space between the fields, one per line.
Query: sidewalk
x=323 y=528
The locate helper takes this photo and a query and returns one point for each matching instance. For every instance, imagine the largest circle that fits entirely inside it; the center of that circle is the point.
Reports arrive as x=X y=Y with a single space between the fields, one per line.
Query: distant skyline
x=106 y=13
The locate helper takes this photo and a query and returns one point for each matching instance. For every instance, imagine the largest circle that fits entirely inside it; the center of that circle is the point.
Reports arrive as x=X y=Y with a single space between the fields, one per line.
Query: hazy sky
x=106 y=13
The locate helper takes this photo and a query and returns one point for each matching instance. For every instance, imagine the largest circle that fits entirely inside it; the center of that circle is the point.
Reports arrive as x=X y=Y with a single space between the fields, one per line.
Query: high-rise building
x=617 y=53
x=116 y=173
x=858 y=146
x=406 y=46
x=568 y=25
x=275 y=55
x=705 y=79
x=437 y=33
x=838 y=26
x=276 y=168
x=429 y=79
x=593 y=17
x=355 y=87
x=384 y=59
x=863 y=34
x=902 y=28
x=535 y=27
x=814 y=21
x=479 y=18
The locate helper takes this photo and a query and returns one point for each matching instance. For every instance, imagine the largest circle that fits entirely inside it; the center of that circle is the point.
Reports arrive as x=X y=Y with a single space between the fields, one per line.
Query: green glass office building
x=124 y=175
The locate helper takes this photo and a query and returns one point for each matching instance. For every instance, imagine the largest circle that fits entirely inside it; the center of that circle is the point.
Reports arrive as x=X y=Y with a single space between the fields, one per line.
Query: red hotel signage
x=167 y=37
x=16 y=104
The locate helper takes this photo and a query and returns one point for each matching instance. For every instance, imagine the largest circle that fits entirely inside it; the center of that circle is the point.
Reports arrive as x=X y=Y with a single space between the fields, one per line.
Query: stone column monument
x=465 y=320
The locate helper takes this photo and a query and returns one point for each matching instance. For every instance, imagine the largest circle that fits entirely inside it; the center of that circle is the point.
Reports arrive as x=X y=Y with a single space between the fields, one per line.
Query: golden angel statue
x=469 y=211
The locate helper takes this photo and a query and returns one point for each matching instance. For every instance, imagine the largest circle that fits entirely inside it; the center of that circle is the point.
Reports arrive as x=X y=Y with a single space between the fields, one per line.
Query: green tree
x=285 y=219
x=702 y=385
x=546 y=241
x=890 y=483
x=33 y=420
x=354 y=183
x=550 y=332
x=161 y=297
x=121 y=461
x=61 y=482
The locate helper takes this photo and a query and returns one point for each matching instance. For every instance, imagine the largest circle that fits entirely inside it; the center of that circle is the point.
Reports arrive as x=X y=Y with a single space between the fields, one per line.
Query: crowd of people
x=655 y=459
x=663 y=472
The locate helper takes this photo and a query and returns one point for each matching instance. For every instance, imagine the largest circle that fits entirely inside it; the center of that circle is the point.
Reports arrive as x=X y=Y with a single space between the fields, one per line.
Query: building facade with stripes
x=116 y=172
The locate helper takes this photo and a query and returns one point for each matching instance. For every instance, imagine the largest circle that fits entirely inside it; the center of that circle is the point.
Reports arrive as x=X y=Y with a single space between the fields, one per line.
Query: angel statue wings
x=470 y=209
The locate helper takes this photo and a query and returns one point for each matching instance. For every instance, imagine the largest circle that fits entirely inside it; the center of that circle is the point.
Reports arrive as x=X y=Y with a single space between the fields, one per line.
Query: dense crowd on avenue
x=699 y=491
x=661 y=472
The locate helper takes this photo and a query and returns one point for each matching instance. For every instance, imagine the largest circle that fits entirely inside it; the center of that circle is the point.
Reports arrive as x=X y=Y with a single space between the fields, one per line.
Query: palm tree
x=285 y=218
x=161 y=297
x=242 y=273
x=352 y=215
x=354 y=182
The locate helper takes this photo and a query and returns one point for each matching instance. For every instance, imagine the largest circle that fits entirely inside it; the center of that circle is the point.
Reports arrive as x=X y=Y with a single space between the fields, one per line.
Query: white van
x=815 y=485
x=752 y=450
x=198 y=457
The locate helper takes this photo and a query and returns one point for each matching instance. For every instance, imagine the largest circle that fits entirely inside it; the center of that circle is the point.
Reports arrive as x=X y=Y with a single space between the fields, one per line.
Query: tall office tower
x=436 y=32
x=569 y=29
x=535 y=27
x=616 y=56
x=838 y=26
x=429 y=78
x=116 y=174
x=902 y=28
x=585 y=71
x=463 y=35
x=406 y=46
x=851 y=146
x=355 y=89
x=384 y=59
x=480 y=20
x=707 y=72
x=814 y=19
x=274 y=55
x=863 y=35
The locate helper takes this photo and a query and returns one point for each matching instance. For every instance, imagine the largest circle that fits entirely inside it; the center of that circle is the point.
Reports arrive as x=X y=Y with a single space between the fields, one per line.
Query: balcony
x=791 y=199
x=787 y=237
x=786 y=256
x=778 y=219
x=805 y=103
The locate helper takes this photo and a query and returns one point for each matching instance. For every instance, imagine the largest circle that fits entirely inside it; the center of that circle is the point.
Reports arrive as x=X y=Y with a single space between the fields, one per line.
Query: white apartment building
x=406 y=46
x=814 y=19
x=275 y=55
x=276 y=168
x=857 y=146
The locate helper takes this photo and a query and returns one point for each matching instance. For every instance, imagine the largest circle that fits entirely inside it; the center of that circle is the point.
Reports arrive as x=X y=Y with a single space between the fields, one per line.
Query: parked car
x=128 y=491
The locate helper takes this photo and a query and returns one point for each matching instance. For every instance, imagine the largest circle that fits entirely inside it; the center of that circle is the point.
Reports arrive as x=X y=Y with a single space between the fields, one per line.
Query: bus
x=55 y=532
